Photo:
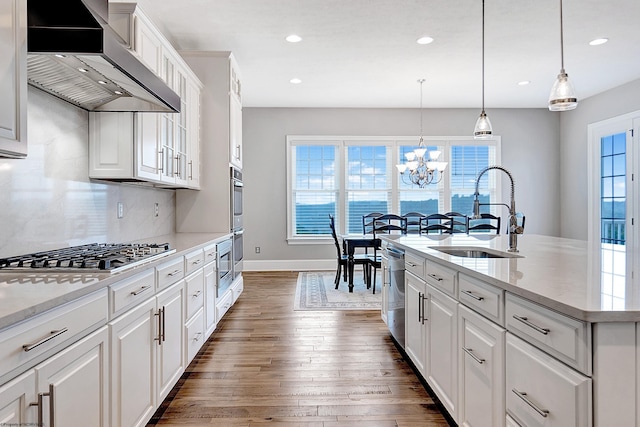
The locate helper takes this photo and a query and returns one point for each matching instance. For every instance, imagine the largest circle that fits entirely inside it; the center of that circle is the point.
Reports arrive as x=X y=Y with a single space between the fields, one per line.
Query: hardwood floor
x=269 y=365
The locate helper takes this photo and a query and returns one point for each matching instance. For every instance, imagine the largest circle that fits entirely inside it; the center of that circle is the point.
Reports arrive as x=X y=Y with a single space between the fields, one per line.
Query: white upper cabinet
x=158 y=148
x=235 y=114
x=13 y=78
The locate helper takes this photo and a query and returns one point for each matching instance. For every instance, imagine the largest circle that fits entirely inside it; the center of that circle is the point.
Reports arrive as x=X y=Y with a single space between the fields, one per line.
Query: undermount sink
x=474 y=252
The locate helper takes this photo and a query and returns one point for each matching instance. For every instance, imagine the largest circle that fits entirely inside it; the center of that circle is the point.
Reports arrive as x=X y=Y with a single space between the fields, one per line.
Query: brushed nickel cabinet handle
x=141 y=290
x=159 y=337
x=190 y=169
x=472 y=295
x=543 y=331
x=420 y=306
x=52 y=335
x=173 y=273
x=433 y=276
x=411 y=264
x=196 y=262
x=543 y=412
x=473 y=356
x=161 y=166
x=164 y=326
x=197 y=294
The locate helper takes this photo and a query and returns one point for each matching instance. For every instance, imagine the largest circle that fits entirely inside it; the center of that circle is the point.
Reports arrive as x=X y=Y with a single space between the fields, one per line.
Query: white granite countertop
x=561 y=274
x=23 y=295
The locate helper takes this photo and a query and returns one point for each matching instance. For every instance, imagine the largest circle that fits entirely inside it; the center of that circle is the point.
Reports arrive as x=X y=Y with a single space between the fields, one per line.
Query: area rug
x=316 y=291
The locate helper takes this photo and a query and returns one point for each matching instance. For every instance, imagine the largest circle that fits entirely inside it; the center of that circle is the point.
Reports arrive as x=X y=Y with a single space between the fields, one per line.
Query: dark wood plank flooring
x=269 y=365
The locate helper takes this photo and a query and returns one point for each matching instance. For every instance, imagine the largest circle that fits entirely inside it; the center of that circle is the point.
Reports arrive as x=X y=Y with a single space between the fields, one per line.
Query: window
x=349 y=177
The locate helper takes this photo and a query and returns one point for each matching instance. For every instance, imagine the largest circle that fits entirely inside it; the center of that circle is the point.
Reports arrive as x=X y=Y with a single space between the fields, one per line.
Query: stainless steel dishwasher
x=395 y=299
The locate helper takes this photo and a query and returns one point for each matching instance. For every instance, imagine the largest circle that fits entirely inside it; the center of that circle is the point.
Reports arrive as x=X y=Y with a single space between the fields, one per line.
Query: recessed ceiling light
x=293 y=38
x=83 y=70
x=425 y=40
x=59 y=55
x=117 y=92
x=597 y=42
x=524 y=82
x=102 y=82
x=295 y=81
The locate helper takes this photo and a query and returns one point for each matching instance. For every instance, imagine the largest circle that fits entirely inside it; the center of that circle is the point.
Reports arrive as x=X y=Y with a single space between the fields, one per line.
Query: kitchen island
x=539 y=337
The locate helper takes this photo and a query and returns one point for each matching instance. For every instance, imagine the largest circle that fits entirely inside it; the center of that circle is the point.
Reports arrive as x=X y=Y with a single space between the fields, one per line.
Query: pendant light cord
x=483 y=55
x=421 y=81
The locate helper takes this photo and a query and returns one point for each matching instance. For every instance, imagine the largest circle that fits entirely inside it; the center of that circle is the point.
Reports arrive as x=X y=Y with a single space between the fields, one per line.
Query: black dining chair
x=368 y=221
x=343 y=258
x=388 y=223
x=487 y=223
x=413 y=221
x=458 y=222
x=435 y=223
x=385 y=224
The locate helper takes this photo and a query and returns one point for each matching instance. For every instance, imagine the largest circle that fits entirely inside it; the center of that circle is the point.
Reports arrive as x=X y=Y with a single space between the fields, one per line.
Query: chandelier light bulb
x=483 y=127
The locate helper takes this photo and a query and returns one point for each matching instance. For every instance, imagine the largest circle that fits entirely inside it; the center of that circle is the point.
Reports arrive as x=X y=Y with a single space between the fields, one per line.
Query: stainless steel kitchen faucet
x=514 y=228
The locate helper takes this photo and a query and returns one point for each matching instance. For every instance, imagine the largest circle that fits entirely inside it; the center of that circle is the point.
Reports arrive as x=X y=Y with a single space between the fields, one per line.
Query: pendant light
x=483 y=128
x=563 y=96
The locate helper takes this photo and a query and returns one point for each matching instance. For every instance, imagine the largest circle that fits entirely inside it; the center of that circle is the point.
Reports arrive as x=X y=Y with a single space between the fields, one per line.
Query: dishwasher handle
x=394 y=253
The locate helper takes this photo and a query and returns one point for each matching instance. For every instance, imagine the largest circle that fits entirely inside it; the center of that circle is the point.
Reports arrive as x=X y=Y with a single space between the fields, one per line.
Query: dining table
x=353 y=241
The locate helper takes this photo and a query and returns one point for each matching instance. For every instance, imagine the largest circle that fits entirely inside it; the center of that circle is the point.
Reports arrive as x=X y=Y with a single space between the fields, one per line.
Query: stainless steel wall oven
x=237 y=188
x=236 y=199
x=225 y=266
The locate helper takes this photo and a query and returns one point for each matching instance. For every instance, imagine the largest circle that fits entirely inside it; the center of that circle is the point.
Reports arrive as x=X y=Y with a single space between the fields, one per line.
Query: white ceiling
x=363 y=53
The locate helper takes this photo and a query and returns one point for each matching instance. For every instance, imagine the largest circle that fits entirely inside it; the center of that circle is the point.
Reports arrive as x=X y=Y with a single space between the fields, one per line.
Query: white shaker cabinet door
x=133 y=364
x=543 y=392
x=76 y=383
x=416 y=329
x=13 y=78
x=480 y=370
x=170 y=354
x=442 y=345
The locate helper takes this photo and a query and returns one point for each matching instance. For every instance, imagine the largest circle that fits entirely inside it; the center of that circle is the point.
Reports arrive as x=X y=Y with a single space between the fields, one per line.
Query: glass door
x=613 y=208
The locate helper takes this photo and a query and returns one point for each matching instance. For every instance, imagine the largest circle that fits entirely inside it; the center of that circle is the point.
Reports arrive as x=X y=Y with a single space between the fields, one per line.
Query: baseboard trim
x=289 y=265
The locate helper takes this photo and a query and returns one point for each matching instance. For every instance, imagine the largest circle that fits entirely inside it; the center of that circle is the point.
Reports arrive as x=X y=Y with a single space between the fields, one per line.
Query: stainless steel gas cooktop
x=91 y=258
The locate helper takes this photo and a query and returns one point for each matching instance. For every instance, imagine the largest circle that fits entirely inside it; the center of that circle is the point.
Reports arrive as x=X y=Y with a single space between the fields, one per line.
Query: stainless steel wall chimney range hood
x=74 y=54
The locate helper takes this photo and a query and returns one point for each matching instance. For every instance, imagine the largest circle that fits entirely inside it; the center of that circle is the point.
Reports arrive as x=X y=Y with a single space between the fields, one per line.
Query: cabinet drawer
x=29 y=342
x=194 y=335
x=561 y=336
x=193 y=261
x=209 y=253
x=542 y=391
x=414 y=264
x=170 y=272
x=482 y=297
x=441 y=277
x=131 y=291
x=223 y=305
x=195 y=293
x=237 y=289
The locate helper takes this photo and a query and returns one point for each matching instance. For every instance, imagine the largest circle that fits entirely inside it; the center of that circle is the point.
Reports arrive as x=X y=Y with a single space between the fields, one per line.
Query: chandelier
x=424 y=168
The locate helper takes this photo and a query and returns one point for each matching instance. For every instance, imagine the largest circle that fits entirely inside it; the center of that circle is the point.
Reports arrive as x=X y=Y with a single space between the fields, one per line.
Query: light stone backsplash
x=48 y=201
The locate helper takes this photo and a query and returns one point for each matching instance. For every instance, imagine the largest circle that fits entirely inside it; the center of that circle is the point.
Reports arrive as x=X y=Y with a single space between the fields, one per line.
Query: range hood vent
x=75 y=55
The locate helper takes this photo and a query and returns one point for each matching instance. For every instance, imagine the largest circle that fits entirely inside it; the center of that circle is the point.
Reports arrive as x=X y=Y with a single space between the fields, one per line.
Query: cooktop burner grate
x=94 y=257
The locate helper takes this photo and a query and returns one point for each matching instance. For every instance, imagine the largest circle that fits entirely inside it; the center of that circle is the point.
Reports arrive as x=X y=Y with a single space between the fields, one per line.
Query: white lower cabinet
x=133 y=365
x=480 y=371
x=171 y=317
x=74 y=384
x=385 y=288
x=415 y=327
x=210 y=276
x=442 y=348
x=541 y=391
x=194 y=333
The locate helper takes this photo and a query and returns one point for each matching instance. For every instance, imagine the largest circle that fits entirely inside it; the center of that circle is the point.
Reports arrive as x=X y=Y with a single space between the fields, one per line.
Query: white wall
x=530 y=150
x=573 y=151
x=48 y=200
